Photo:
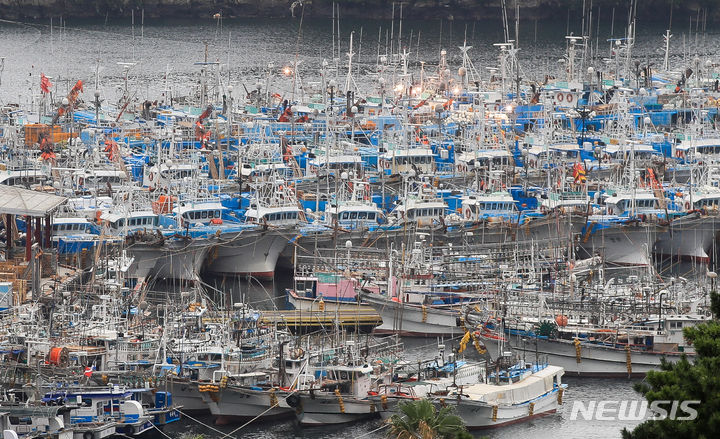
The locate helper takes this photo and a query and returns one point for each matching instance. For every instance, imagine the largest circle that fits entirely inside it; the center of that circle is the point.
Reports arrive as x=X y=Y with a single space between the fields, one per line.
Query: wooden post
x=38 y=231
x=28 y=238
x=9 y=236
x=48 y=232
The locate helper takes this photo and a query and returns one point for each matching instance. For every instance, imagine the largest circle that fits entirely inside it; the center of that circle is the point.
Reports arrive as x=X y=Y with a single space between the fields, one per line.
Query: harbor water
x=165 y=54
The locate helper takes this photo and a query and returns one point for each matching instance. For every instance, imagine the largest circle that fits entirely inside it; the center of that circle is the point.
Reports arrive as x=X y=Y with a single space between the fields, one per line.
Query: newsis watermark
x=633 y=410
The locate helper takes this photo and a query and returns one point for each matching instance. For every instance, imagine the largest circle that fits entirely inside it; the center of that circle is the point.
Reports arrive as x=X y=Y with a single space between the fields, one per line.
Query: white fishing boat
x=484 y=405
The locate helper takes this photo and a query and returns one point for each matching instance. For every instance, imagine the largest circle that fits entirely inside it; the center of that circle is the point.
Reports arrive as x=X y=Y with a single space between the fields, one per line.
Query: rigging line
x=201 y=423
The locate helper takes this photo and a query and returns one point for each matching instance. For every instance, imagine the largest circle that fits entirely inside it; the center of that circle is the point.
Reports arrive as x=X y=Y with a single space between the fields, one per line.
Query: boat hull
x=595 y=361
x=174 y=259
x=621 y=244
x=326 y=409
x=307 y=304
x=247 y=254
x=188 y=396
x=688 y=238
x=414 y=320
x=480 y=415
x=232 y=405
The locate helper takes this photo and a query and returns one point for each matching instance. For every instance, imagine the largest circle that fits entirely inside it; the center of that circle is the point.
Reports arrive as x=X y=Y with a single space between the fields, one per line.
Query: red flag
x=45 y=83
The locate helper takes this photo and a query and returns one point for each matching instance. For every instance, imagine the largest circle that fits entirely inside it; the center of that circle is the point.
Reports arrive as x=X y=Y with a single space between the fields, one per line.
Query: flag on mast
x=45 y=83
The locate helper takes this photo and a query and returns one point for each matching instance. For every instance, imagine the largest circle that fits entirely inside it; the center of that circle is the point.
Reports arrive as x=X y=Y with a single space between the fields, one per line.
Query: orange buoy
x=561 y=320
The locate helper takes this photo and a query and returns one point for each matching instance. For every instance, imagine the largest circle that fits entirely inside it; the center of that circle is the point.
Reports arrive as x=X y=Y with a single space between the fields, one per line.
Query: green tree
x=421 y=420
x=685 y=380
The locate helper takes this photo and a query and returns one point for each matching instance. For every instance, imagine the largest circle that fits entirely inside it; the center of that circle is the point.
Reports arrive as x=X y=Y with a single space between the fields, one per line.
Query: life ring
x=497 y=107
x=467 y=213
x=151 y=177
x=680 y=154
x=560 y=97
x=687 y=205
x=569 y=98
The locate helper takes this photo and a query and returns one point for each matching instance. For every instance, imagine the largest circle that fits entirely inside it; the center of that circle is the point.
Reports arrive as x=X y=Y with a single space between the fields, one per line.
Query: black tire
x=88 y=435
x=293 y=400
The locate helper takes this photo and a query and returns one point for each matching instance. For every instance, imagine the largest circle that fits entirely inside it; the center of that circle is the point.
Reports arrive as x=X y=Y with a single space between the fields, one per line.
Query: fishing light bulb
x=287 y=71
x=456 y=90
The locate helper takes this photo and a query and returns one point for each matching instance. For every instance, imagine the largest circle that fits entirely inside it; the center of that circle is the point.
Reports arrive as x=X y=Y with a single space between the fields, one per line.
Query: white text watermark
x=633 y=410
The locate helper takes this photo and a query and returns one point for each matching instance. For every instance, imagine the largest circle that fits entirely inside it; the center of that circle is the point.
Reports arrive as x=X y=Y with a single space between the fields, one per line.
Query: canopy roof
x=18 y=201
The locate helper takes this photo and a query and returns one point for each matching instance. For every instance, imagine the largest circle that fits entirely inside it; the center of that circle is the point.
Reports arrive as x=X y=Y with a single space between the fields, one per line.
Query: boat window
x=204 y=214
x=345 y=215
x=362 y=215
x=353 y=215
x=371 y=216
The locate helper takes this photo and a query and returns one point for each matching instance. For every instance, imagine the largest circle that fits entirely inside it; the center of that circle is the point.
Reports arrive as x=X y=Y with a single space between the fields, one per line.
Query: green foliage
x=715 y=304
x=547 y=328
x=685 y=380
x=420 y=419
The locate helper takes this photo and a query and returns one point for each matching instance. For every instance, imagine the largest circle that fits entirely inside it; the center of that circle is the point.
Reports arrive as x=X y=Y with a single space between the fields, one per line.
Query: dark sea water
x=165 y=53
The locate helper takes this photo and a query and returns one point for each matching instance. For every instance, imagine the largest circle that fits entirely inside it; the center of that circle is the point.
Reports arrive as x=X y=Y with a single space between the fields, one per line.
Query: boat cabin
x=276 y=216
x=494 y=205
x=64 y=226
x=335 y=164
x=401 y=161
x=191 y=213
x=644 y=202
x=138 y=220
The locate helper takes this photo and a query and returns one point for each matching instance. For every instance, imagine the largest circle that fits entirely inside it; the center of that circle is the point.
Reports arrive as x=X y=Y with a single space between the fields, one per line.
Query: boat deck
x=298 y=321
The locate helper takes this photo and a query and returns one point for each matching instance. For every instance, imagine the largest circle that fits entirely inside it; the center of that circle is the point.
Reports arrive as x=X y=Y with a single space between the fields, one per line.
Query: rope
x=161 y=432
x=385 y=425
x=201 y=423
